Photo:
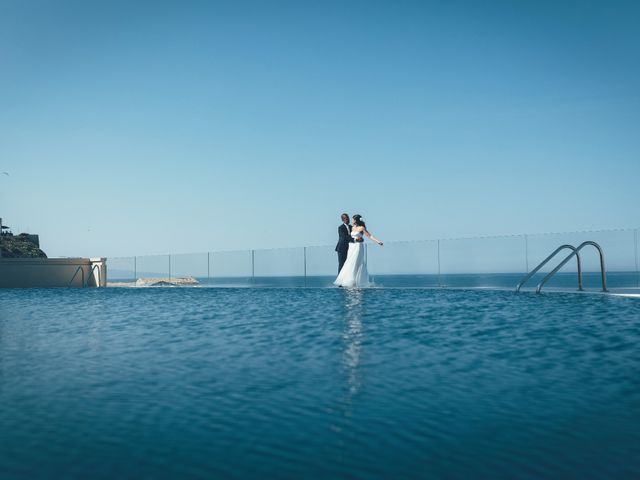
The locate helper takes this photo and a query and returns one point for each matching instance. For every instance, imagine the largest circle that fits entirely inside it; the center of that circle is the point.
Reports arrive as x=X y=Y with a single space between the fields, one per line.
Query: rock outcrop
x=21 y=246
x=166 y=282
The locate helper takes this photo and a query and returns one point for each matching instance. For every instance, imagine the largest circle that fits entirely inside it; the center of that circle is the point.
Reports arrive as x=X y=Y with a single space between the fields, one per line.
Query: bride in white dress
x=354 y=271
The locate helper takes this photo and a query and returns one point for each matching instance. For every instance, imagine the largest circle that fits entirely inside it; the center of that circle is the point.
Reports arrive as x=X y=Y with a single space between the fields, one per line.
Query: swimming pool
x=290 y=382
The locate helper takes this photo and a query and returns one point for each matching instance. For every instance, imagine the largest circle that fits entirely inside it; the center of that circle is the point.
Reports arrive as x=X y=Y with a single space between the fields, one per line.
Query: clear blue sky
x=135 y=128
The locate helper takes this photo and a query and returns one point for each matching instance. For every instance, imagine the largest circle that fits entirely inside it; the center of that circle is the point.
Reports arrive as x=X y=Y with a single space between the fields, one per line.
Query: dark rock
x=21 y=246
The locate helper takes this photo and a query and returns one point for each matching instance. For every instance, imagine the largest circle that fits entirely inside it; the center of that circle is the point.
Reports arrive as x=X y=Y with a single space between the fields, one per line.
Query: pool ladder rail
x=575 y=252
x=84 y=283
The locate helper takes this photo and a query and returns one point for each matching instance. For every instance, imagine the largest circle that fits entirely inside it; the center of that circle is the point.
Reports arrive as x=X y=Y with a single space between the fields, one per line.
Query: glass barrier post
x=253 y=266
x=526 y=253
x=439 y=282
x=135 y=268
x=208 y=267
x=304 y=256
x=635 y=235
x=169 y=256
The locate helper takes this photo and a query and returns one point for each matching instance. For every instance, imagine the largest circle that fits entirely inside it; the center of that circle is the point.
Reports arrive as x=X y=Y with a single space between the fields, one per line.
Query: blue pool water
x=318 y=383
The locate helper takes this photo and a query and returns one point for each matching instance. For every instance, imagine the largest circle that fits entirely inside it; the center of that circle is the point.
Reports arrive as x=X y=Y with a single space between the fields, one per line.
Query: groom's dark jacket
x=344 y=238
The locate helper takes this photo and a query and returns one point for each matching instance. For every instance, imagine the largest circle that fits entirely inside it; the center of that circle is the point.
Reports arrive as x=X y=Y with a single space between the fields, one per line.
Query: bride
x=354 y=271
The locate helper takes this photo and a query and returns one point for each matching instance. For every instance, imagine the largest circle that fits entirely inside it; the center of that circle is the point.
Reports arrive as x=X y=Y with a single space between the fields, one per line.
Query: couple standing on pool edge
x=352 y=270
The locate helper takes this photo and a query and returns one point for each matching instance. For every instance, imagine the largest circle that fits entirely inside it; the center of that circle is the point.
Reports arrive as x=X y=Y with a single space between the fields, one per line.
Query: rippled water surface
x=324 y=383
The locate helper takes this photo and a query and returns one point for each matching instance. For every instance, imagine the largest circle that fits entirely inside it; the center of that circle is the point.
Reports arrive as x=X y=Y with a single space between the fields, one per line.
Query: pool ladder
x=81 y=271
x=575 y=252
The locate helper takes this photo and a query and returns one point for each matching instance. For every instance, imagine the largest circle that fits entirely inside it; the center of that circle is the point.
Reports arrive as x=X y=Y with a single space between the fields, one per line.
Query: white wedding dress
x=354 y=271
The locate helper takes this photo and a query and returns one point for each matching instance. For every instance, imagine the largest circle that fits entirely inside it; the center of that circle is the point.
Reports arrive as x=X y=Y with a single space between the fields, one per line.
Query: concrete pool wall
x=53 y=272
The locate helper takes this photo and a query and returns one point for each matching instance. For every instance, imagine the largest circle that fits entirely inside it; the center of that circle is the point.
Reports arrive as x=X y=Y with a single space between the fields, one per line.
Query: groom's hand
x=359 y=239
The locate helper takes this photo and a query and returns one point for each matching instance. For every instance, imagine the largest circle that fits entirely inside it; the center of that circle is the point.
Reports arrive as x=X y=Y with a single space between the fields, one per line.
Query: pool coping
x=627 y=292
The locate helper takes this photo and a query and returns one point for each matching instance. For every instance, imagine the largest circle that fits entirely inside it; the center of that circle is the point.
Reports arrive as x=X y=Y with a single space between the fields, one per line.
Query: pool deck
x=635 y=293
x=631 y=292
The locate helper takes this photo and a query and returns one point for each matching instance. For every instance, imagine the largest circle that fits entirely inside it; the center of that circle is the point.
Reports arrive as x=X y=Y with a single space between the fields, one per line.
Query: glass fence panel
x=403 y=258
x=187 y=265
x=153 y=266
x=322 y=266
x=122 y=269
x=483 y=255
x=280 y=267
x=234 y=268
x=500 y=261
x=619 y=255
x=618 y=248
x=408 y=264
x=483 y=262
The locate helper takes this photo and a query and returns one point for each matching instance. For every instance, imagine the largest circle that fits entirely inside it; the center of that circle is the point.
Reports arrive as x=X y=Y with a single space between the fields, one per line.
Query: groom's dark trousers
x=344 y=239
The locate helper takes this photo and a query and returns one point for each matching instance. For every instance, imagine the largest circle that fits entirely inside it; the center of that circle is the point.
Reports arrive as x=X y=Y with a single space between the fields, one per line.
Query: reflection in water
x=352 y=338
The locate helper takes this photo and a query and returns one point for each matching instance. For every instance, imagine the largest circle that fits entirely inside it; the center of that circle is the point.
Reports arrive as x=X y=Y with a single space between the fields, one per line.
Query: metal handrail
x=603 y=272
x=74 y=276
x=574 y=251
x=560 y=265
x=91 y=273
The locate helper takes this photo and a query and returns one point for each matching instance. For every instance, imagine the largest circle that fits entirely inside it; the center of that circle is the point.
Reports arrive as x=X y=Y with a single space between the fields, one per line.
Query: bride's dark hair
x=357 y=219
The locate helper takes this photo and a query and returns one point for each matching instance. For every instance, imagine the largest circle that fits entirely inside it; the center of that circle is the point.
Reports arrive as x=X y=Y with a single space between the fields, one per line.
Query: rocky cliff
x=21 y=246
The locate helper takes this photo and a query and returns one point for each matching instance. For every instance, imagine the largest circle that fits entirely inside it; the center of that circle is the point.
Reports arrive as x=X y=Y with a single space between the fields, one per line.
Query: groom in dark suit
x=344 y=239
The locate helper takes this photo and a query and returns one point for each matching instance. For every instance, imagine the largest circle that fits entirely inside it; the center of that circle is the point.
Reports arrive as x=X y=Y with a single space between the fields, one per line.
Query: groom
x=344 y=239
